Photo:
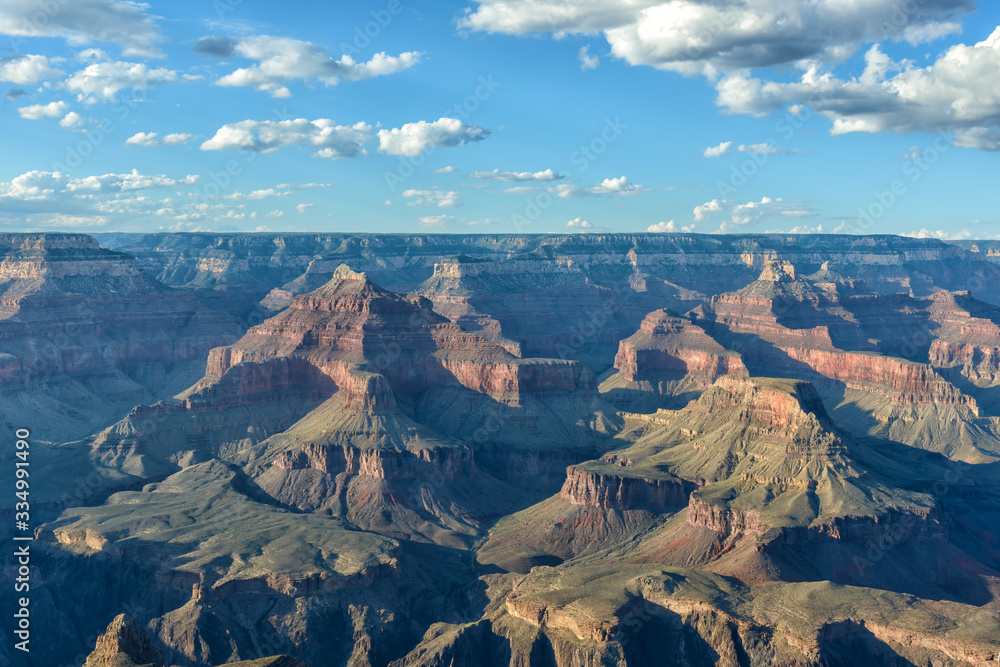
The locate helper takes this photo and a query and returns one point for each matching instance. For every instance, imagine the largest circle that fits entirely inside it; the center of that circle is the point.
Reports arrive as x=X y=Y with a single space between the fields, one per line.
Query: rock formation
x=428 y=459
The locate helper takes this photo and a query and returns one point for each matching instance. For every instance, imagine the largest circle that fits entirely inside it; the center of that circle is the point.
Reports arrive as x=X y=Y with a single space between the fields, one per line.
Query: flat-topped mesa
x=49 y=270
x=668 y=347
x=464 y=266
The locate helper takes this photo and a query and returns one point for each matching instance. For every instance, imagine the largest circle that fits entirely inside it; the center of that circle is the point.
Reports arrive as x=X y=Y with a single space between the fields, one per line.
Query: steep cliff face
x=842 y=338
x=92 y=324
x=124 y=644
x=967 y=337
x=541 y=304
x=610 y=487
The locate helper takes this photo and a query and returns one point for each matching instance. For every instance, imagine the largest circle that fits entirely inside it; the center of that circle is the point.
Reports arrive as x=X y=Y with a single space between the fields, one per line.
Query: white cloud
x=444 y=170
x=28 y=69
x=734 y=213
x=587 y=61
x=280 y=59
x=702 y=36
x=81 y=21
x=722 y=150
x=515 y=17
x=438 y=198
x=71 y=120
x=331 y=140
x=978 y=137
x=302 y=208
x=798 y=229
x=126 y=182
x=435 y=220
x=56 y=200
x=669 y=226
x=142 y=139
x=941 y=234
x=578 y=223
x=102 y=81
x=614 y=187
x=148 y=139
x=37 y=111
x=276 y=213
x=959 y=91
x=930 y=32
x=764 y=149
x=519 y=176
x=412 y=139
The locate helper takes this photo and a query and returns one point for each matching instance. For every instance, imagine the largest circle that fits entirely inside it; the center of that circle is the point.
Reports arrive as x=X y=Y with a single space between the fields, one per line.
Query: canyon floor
x=327 y=450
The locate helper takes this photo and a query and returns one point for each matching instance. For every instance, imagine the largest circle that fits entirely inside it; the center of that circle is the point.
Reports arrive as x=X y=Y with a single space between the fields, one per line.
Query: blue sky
x=501 y=116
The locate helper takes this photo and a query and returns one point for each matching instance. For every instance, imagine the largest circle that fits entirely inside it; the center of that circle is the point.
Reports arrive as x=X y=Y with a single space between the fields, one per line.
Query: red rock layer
x=667 y=346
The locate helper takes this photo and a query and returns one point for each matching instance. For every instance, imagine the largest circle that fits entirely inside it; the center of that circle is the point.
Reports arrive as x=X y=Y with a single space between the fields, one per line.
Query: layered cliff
x=842 y=338
x=668 y=361
x=85 y=334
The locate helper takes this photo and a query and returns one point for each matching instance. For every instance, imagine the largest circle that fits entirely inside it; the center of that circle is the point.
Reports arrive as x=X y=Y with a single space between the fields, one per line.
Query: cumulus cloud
x=81 y=21
x=958 y=91
x=669 y=226
x=941 y=234
x=733 y=214
x=978 y=137
x=438 y=198
x=587 y=61
x=705 y=36
x=412 y=139
x=102 y=81
x=722 y=150
x=28 y=69
x=126 y=182
x=72 y=120
x=579 y=224
x=518 y=176
x=435 y=220
x=614 y=187
x=331 y=140
x=57 y=200
x=798 y=229
x=36 y=111
x=148 y=139
x=444 y=170
x=280 y=60
x=302 y=208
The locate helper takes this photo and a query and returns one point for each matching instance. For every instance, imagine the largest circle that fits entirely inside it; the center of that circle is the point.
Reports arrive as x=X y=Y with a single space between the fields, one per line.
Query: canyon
x=278 y=450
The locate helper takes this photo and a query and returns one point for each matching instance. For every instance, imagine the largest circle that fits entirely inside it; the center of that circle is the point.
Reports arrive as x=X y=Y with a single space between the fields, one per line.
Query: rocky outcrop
x=124 y=644
x=669 y=347
x=432 y=463
x=602 y=488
